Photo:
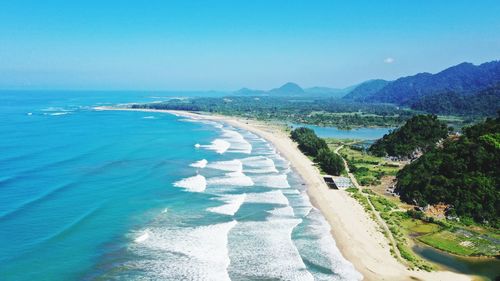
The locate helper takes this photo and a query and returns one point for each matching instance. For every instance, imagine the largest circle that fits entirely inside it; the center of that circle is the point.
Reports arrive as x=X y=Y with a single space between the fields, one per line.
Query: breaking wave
x=184 y=253
x=274 y=181
x=230 y=165
x=199 y=164
x=219 y=145
x=264 y=250
x=233 y=204
x=196 y=183
x=232 y=178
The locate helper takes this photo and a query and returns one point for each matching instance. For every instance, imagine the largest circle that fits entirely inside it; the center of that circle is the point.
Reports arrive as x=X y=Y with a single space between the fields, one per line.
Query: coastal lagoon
x=358 y=133
x=486 y=268
x=113 y=195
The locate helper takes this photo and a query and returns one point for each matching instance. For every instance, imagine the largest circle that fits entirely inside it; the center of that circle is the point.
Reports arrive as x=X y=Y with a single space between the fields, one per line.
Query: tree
x=308 y=142
x=330 y=162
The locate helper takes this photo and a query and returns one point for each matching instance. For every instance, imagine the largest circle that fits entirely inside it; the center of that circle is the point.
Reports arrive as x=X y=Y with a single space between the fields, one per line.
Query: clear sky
x=226 y=45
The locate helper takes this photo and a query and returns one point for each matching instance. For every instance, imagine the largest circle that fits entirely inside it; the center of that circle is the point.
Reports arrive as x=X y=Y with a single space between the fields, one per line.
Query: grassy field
x=457 y=122
x=335 y=143
x=451 y=237
x=368 y=169
x=463 y=241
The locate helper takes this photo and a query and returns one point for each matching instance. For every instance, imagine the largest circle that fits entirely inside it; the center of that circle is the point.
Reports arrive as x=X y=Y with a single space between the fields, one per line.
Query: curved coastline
x=355 y=234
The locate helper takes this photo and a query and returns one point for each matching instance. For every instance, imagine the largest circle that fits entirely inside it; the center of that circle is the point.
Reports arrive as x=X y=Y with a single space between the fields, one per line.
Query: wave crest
x=196 y=183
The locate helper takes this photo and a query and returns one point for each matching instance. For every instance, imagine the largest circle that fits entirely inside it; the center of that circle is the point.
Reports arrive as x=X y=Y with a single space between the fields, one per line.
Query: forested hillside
x=463 y=173
x=420 y=133
x=464 y=89
x=366 y=89
x=462 y=78
x=484 y=103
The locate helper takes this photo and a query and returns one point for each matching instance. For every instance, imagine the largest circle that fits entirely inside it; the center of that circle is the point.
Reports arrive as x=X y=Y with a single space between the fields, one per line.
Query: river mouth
x=487 y=268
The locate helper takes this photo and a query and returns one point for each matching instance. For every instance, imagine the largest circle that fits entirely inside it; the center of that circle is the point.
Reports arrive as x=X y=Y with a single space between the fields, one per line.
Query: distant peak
x=288 y=88
x=290 y=85
x=464 y=63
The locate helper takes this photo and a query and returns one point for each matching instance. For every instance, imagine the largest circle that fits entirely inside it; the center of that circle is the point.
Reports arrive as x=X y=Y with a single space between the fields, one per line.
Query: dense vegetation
x=311 y=145
x=485 y=103
x=420 y=133
x=462 y=173
x=330 y=162
x=456 y=90
x=366 y=89
x=303 y=110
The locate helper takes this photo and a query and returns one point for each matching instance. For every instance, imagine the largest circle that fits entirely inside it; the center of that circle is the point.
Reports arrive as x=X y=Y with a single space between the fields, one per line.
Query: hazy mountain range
x=461 y=89
x=293 y=89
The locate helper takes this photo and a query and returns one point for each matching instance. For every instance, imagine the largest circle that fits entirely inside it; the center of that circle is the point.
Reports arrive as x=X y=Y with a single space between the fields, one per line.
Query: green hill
x=463 y=173
x=484 y=103
x=420 y=133
x=462 y=78
x=463 y=89
x=366 y=89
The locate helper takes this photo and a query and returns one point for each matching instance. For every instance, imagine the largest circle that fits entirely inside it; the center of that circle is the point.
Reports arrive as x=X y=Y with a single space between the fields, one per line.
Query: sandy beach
x=356 y=234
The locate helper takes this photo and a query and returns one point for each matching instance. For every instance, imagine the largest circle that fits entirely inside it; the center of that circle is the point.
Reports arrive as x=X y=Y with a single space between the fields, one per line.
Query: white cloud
x=389 y=60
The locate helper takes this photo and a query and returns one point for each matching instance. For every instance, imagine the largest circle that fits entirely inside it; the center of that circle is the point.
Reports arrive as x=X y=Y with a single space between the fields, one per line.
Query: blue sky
x=226 y=45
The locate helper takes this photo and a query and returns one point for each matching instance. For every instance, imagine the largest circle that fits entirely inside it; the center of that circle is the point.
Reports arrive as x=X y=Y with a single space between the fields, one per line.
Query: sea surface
x=109 y=195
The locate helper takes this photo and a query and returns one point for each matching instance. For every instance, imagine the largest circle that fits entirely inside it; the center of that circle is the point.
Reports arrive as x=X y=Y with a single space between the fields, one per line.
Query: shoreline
x=355 y=233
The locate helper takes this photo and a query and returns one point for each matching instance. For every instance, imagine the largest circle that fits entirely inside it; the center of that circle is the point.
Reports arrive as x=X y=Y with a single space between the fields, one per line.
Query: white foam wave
x=199 y=164
x=237 y=141
x=270 y=197
x=259 y=164
x=59 y=109
x=203 y=121
x=232 y=178
x=196 y=183
x=282 y=212
x=149 y=117
x=300 y=202
x=264 y=250
x=143 y=237
x=318 y=247
x=231 y=165
x=184 y=253
x=233 y=204
x=58 y=113
x=219 y=145
x=292 y=191
x=275 y=181
x=280 y=162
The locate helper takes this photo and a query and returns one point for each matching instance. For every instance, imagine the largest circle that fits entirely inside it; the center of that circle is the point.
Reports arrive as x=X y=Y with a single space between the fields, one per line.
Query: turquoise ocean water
x=107 y=195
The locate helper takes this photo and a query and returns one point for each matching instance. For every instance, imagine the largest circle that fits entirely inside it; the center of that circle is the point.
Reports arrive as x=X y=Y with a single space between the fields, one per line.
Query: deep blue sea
x=110 y=195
